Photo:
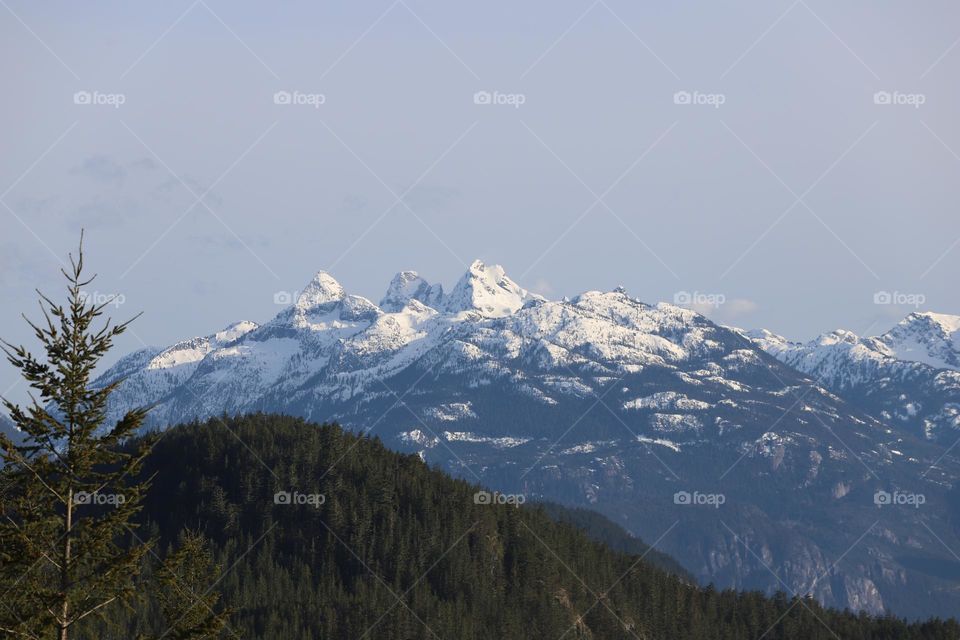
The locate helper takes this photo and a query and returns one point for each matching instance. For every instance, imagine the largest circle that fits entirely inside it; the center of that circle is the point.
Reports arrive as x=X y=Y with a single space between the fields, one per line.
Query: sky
x=777 y=164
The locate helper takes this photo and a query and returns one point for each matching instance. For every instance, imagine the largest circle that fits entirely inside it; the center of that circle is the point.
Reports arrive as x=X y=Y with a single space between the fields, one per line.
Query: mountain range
x=758 y=463
x=909 y=376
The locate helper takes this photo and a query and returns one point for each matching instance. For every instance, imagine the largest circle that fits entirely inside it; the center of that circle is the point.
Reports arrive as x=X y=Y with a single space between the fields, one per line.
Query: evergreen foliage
x=70 y=486
x=398 y=550
x=599 y=528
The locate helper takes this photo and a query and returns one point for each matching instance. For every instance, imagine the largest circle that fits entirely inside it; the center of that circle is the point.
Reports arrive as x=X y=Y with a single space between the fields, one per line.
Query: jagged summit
x=407 y=286
x=483 y=289
x=930 y=338
x=488 y=290
x=322 y=289
x=946 y=322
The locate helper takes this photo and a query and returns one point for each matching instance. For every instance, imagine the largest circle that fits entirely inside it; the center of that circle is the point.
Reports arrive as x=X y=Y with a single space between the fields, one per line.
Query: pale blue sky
x=797 y=198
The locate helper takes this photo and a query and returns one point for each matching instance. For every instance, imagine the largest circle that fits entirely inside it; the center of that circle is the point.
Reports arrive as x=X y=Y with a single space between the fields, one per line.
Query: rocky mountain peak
x=407 y=286
x=488 y=290
x=321 y=290
x=930 y=338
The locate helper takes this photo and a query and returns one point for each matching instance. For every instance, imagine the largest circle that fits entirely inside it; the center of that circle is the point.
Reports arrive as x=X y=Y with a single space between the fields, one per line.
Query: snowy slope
x=150 y=375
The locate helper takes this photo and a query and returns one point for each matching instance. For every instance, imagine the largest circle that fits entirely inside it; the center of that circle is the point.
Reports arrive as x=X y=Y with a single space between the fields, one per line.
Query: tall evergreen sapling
x=69 y=495
x=186 y=601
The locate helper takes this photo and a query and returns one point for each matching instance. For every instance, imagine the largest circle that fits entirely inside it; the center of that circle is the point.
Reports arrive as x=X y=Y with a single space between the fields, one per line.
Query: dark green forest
x=598 y=527
x=398 y=551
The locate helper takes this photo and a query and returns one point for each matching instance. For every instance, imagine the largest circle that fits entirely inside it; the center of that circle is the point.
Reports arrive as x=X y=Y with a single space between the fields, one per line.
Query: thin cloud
x=101 y=168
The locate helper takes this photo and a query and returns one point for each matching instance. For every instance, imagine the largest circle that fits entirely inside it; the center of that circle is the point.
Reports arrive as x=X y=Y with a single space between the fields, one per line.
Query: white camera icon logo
x=882 y=297
x=882 y=97
x=282 y=97
x=482 y=97
x=682 y=97
x=283 y=297
x=82 y=97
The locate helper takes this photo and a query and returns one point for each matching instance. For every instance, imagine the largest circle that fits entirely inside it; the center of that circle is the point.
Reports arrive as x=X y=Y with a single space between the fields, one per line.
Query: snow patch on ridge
x=659 y=441
x=498 y=443
x=452 y=412
x=667 y=400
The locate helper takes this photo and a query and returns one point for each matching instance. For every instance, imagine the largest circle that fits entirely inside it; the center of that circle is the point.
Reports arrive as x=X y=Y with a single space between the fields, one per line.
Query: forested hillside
x=601 y=529
x=397 y=550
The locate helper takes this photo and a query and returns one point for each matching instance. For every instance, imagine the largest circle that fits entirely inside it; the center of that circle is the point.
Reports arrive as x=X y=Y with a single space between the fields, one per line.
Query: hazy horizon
x=795 y=158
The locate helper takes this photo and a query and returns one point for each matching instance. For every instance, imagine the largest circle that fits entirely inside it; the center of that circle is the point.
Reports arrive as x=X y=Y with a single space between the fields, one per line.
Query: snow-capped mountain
x=635 y=410
x=930 y=338
x=407 y=286
x=908 y=377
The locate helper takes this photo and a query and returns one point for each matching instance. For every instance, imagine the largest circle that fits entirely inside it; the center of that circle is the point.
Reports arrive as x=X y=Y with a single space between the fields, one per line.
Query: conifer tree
x=186 y=600
x=70 y=490
x=70 y=494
